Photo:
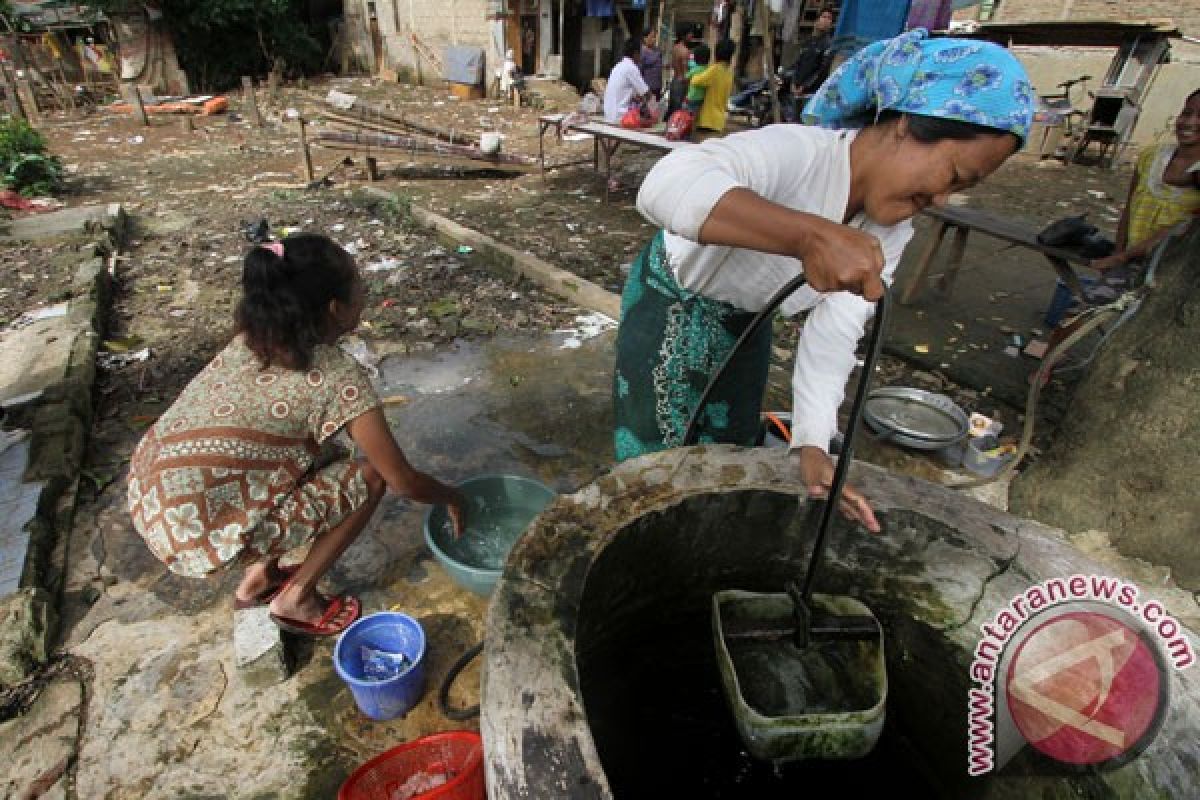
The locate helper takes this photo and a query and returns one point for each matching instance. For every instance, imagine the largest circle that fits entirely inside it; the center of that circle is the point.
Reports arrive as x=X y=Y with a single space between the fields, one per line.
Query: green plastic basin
x=499 y=509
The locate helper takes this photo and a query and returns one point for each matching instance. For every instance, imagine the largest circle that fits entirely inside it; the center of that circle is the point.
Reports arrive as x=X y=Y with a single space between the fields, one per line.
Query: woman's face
x=916 y=175
x=1187 y=124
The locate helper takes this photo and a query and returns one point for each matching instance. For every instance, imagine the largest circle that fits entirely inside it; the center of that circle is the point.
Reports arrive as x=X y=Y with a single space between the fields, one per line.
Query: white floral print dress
x=232 y=469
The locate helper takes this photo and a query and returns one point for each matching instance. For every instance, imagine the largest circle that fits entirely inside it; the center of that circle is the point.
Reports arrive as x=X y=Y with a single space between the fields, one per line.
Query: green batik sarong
x=670 y=343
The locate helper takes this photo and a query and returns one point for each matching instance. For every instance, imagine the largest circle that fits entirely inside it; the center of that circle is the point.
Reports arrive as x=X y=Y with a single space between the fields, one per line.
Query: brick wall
x=438 y=24
x=1185 y=13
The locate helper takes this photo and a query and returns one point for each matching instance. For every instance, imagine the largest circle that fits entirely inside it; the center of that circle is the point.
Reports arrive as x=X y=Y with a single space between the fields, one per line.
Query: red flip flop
x=268 y=594
x=340 y=613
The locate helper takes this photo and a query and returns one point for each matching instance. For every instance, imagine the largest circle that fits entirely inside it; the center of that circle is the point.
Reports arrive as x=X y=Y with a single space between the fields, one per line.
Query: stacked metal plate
x=915 y=418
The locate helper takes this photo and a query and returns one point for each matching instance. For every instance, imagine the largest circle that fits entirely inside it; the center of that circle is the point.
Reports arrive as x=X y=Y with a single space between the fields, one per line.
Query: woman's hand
x=456 y=508
x=816 y=470
x=836 y=257
x=841 y=258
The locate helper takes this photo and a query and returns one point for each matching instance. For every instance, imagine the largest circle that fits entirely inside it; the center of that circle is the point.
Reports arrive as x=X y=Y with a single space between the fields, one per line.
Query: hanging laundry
x=932 y=15
x=601 y=8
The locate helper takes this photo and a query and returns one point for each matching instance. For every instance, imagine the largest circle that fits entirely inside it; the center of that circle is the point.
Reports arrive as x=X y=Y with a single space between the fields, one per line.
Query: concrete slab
x=62 y=223
x=34 y=353
x=259 y=648
x=18 y=506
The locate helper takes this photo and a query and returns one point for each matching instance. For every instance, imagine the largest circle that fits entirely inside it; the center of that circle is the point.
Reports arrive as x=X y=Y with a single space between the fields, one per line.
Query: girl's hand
x=841 y=258
x=816 y=470
x=456 y=508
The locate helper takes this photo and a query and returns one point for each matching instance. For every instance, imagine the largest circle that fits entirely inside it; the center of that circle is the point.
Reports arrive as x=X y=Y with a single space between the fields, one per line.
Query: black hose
x=457 y=714
x=845 y=454
x=689 y=436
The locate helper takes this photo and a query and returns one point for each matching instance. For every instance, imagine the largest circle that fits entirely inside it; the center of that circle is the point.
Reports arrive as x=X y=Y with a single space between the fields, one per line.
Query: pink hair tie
x=274 y=247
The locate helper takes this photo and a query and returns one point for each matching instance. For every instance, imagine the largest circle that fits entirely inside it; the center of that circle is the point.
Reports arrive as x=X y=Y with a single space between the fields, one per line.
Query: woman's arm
x=371 y=433
x=716 y=193
x=835 y=257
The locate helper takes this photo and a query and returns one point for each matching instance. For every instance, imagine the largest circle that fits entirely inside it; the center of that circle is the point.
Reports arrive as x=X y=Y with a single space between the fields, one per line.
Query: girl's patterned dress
x=232 y=469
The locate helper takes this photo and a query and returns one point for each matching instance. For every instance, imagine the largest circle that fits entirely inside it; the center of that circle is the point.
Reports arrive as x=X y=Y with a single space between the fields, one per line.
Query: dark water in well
x=663 y=729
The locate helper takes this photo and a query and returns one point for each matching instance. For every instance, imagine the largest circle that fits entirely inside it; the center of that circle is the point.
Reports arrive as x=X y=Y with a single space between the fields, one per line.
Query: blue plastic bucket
x=391 y=632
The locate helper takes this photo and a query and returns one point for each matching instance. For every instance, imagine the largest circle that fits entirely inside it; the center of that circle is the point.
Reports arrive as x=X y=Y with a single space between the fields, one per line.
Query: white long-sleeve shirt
x=624 y=82
x=801 y=167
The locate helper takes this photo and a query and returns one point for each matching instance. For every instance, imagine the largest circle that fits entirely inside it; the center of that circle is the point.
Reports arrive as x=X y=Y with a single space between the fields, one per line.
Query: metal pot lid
x=916 y=413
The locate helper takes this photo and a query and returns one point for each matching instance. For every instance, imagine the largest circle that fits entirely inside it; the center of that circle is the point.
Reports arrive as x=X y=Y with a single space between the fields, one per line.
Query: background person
x=625 y=84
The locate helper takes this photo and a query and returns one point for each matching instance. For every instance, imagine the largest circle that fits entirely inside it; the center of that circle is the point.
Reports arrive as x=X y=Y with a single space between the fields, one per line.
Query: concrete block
x=27 y=627
x=259 y=648
x=39 y=745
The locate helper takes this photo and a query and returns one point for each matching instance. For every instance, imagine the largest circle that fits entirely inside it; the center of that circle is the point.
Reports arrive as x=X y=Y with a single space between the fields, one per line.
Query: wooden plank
x=1001 y=228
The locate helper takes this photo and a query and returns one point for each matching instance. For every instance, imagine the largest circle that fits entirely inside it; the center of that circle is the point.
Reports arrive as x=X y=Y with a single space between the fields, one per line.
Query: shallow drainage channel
x=532 y=405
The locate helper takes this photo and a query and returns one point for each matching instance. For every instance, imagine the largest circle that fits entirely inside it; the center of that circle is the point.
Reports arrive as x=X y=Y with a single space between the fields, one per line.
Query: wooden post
x=138 y=111
x=28 y=100
x=764 y=16
x=274 y=78
x=186 y=124
x=372 y=169
x=250 y=102
x=10 y=92
x=304 y=152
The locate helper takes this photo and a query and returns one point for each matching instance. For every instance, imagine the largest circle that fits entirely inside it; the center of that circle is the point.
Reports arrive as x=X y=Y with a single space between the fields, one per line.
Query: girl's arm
x=371 y=433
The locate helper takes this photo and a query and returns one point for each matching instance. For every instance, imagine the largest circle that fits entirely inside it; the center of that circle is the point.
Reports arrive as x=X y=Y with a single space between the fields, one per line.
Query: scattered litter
x=361 y=353
x=1036 y=349
x=122 y=345
x=39 y=314
x=984 y=426
x=385 y=264
x=1011 y=351
x=17 y=202
x=340 y=100
x=464 y=250
x=494 y=110
x=136 y=139
x=418 y=785
x=586 y=327
x=380 y=665
x=338 y=227
x=1097 y=194
x=923 y=349
x=116 y=360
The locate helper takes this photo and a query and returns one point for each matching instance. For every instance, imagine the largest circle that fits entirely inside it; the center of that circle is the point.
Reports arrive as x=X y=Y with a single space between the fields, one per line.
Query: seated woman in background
x=1165 y=191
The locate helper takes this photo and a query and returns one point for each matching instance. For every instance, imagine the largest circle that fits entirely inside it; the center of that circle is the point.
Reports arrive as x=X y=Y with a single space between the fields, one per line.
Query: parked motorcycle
x=753 y=100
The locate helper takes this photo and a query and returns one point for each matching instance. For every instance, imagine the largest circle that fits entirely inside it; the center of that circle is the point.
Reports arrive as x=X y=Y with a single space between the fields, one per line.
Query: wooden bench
x=605 y=138
x=965 y=220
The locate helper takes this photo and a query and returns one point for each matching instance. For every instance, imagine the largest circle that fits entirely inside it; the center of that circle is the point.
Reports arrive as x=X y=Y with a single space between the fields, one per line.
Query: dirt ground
x=193 y=193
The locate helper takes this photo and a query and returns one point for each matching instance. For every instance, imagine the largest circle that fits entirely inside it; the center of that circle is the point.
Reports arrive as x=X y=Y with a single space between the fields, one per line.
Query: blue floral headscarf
x=960 y=79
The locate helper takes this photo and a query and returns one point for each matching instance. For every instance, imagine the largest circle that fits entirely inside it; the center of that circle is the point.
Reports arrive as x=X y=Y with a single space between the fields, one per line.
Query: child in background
x=717 y=83
x=696 y=65
x=233 y=471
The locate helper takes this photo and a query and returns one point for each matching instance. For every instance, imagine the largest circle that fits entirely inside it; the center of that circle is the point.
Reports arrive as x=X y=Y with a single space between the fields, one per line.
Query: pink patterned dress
x=232 y=470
